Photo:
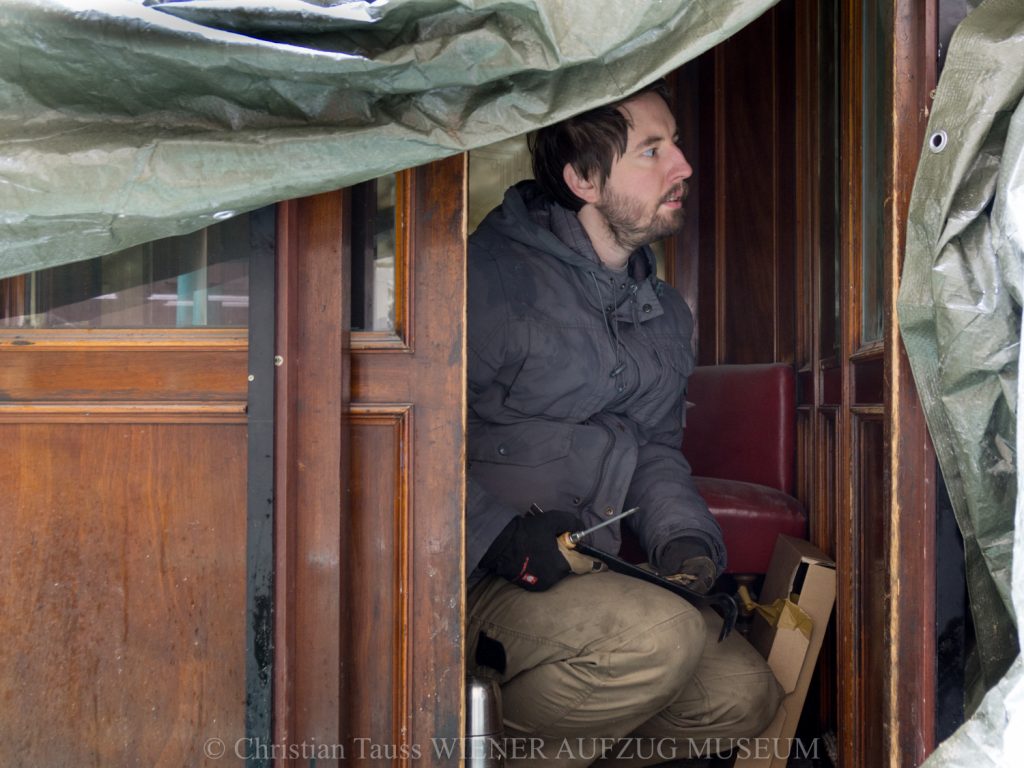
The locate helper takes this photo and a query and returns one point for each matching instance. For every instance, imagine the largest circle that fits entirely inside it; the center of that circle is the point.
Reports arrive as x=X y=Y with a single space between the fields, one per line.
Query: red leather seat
x=740 y=440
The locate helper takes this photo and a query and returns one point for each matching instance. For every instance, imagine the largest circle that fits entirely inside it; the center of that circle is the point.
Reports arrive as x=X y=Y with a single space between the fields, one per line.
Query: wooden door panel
x=123 y=602
x=407 y=409
x=378 y=571
x=310 y=472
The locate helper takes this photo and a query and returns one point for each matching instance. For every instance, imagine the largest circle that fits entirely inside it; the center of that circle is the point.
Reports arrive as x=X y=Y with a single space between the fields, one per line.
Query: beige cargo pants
x=605 y=664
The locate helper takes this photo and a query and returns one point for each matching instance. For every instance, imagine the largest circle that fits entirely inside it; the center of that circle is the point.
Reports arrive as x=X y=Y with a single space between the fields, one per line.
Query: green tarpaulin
x=122 y=122
x=960 y=316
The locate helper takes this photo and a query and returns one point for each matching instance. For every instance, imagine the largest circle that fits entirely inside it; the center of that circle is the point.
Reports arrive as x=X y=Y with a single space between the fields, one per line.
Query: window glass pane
x=873 y=163
x=195 y=280
x=374 y=238
x=829 y=287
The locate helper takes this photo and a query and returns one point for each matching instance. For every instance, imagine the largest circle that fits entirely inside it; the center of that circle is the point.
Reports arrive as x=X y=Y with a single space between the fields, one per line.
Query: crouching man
x=578 y=361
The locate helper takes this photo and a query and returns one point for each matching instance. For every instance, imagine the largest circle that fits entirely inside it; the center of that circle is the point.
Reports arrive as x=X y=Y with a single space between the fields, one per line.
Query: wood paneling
x=379 y=573
x=124 y=412
x=311 y=456
x=371 y=475
x=871 y=581
x=415 y=530
x=745 y=195
x=761 y=176
x=123 y=604
x=130 y=365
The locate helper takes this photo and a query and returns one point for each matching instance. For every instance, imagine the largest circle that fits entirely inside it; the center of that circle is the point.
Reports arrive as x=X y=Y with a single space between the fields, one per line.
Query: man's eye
x=649 y=152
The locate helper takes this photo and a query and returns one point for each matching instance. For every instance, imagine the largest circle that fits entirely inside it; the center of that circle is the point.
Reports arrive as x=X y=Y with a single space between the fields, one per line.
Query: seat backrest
x=742 y=423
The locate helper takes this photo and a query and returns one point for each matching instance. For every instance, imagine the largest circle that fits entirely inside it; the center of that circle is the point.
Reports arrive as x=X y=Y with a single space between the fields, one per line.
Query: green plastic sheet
x=123 y=122
x=960 y=317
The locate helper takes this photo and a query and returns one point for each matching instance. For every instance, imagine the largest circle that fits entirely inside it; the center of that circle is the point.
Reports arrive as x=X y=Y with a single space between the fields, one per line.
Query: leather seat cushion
x=751 y=516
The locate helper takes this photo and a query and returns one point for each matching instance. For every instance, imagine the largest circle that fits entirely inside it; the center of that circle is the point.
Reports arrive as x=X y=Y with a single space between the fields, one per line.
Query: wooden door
x=810 y=123
x=124 y=434
x=370 y=457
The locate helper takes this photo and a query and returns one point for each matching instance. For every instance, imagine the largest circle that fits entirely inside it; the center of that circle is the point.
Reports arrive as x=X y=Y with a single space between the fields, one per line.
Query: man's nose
x=680 y=165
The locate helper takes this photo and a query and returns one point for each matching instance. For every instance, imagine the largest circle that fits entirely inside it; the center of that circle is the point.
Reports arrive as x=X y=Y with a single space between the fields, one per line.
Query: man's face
x=642 y=199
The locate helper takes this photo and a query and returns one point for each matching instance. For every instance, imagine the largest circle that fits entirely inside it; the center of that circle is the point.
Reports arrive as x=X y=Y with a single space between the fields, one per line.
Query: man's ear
x=583 y=188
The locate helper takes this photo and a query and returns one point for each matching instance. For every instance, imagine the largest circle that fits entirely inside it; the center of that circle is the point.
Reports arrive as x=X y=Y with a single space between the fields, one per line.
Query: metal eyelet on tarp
x=938 y=141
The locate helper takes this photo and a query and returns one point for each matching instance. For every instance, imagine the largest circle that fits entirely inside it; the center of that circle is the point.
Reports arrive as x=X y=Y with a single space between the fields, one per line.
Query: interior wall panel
x=745 y=195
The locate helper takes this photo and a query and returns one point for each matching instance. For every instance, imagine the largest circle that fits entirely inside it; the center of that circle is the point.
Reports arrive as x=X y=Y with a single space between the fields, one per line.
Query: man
x=578 y=359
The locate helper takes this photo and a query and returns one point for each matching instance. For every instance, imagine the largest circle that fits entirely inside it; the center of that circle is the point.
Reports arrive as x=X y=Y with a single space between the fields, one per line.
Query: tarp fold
x=122 y=121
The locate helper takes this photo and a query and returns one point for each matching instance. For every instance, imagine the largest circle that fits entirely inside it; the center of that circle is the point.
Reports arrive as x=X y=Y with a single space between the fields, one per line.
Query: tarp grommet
x=937 y=142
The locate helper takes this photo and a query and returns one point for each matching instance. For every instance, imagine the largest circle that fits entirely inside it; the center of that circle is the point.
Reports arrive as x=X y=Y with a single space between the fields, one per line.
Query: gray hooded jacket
x=576 y=384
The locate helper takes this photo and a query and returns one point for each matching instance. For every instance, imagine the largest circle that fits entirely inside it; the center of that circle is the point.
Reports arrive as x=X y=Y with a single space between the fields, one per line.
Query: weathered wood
x=408 y=493
x=97 y=371
x=371 y=493
x=123 y=604
x=865 y=464
x=311 y=476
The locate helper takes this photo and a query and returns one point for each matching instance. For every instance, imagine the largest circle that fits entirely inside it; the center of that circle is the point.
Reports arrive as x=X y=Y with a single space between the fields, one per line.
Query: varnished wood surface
x=745 y=193
x=911 y=456
x=125 y=338
x=124 y=412
x=378 y=575
x=101 y=372
x=370 y=486
x=873 y=511
x=422 y=456
x=311 y=456
x=123 y=602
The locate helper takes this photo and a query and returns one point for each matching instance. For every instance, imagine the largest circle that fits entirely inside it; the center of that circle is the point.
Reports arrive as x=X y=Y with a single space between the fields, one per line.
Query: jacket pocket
x=528 y=444
x=553 y=464
x=676 y=355
x=664 y=388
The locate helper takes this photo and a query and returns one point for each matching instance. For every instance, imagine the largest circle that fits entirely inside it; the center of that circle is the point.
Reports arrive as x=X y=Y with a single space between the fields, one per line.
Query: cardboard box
x=804 y=578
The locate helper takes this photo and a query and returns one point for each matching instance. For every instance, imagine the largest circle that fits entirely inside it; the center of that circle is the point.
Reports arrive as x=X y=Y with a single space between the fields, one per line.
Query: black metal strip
x=259 y=548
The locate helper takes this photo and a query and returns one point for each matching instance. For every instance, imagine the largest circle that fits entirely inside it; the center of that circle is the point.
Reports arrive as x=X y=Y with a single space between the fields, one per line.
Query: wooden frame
x=402 y=338
x=902 y=648
x=911 y=455
x=370 y=482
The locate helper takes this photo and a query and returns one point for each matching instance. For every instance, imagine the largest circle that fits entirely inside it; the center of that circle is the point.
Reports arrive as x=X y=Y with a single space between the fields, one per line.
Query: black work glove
x=526 y=551
x=688 y=561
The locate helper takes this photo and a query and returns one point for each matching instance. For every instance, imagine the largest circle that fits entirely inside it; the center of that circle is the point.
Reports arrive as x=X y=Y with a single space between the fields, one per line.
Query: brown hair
x=589 y=142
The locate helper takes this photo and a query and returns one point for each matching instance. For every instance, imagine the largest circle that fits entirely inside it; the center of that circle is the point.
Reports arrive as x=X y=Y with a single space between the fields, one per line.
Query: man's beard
x=627 y=224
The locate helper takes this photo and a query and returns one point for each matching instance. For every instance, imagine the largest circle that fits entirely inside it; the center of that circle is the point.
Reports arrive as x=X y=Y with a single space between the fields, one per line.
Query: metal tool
x=722 y=602
x=571 y=539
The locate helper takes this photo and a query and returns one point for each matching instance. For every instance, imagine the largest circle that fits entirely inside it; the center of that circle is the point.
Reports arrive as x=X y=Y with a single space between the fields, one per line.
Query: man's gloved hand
x=526 y=552
x=688 y=561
